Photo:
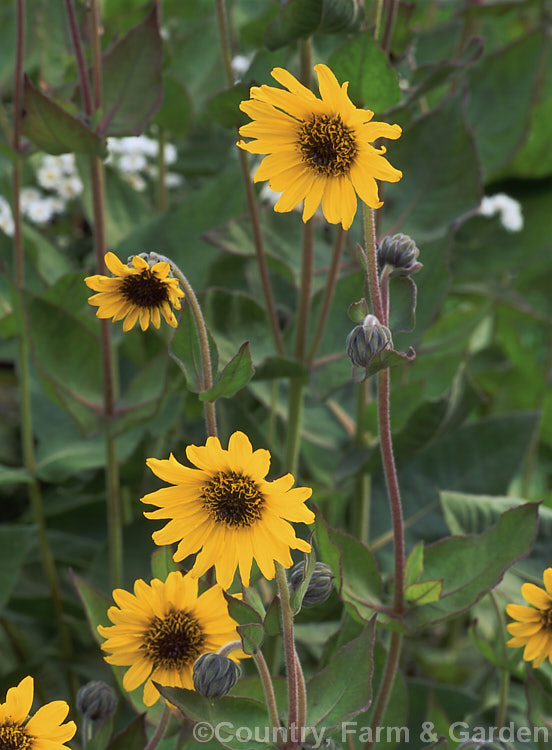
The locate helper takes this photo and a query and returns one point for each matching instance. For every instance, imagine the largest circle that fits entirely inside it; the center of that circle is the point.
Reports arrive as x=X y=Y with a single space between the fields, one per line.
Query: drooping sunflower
x=161 y=629
x=228 y=510
x=318 y=150
x=139 y=292
x=534 y=627
x=43 y=731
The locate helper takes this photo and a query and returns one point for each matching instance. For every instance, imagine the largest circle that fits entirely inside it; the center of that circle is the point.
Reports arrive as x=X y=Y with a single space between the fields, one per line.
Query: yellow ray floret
x=227 y=511
x=141 y=292
x=43 y=731
x=161 y=629
x=533 y=628
x=318 y=150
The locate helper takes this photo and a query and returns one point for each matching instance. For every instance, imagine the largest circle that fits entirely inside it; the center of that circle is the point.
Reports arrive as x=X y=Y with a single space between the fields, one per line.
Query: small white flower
x=240 y=65
x=170 y=153
x=173 y=180
x=29 y=195
x=6 y=218
x=70 y=187
x=57 y=205
x=135 y=181
x=65 y=163
x=68 y=164
x=132 y=163
x=508 y=208
x=49 y=176
x=41 y=211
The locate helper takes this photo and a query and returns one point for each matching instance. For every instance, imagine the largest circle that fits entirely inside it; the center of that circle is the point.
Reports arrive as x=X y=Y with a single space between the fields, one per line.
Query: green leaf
x=373 y=83
x=176 y=109
x=471 y=514
x=342 y=689
x=249 y=621
x=402 y=312
x=224 y=107
x=54 y=130
x=102 y=735
x=383 y=359
x=162 y=563
x=95 y=606
x=274 y=368
x=252 y=637
x=500 y=129
x=9 y=475
x=471 y=566
x=133 y=735
x=433 y=193
x=353 y=566
x=423 y=592
x=228 y=714
x=358 y=310
x=414 y=564
x=132 y=82
x=235 y=375
x=273 y=618
x=185 y=350
x=298 y=595
x=302 y=18
x=14 y=543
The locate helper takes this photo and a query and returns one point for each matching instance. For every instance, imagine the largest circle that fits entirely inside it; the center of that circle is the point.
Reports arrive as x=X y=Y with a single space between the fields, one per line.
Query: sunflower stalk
x=161 y=728
x=27 y=437
x=203 y=336
x=386 y=447
x=268 y=688
x=226 y=53
x=289 y=648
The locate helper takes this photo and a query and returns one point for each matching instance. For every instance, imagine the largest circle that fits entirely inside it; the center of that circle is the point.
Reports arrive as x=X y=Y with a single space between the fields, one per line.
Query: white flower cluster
x=58 y=175
x=6 y=217
x=133 y=157
x=508 y=208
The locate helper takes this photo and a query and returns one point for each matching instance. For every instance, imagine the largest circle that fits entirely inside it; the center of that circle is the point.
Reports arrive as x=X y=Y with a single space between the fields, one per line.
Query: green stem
x=502 y=707
x=268 y=687
x=331 y=282
x=114 y=509
x=160 y=730
x=224 y=39
x=390 y=670
x=363 y=483
x=302 y=696
x=393 y=7
x=386 y=446
x=206 y=367
x=162 y=193
x=295 y=418
x=289 y=647
x=260 y=251
x=377 y=9
x=27 y=433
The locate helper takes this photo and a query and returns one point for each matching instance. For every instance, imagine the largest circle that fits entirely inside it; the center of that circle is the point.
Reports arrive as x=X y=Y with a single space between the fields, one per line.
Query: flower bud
x=401 y=252
x=320 y=585
x=215 y=675
x=367 y=340
x=96 y=700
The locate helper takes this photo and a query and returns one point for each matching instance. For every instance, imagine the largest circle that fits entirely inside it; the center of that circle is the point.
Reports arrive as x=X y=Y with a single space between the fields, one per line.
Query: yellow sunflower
x=318 y=149
x=43 y=731
x=161 y=629
x=228 y=510
x=534 y=627
x=145 y=290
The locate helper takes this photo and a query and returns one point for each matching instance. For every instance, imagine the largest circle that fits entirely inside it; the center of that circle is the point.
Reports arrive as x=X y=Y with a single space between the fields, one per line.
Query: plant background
x=471 y=85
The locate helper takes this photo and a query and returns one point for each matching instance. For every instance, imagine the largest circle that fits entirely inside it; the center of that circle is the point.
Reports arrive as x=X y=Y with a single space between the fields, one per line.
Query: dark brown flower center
x=14 y=737
x=233 y=499
x=327 y=145
x=144 y=289
x=174 y=641
x=546 y=619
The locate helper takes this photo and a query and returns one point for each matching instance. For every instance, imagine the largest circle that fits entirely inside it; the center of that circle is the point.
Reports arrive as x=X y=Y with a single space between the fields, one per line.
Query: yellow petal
x=536 y=596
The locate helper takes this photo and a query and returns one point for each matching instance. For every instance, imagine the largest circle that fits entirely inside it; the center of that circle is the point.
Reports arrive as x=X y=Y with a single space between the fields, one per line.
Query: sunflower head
x=143 y=289
x=317 y=150
x=227 y=511
x=161 y=629
x=43 y=730
x=533 y=628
